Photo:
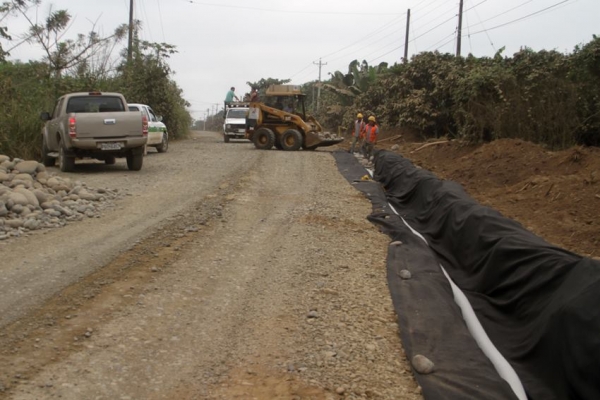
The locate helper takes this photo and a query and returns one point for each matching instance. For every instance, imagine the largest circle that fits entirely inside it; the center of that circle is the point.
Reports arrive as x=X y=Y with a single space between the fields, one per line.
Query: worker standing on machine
x=359 y=126
x=371 y=132
x=230 y=96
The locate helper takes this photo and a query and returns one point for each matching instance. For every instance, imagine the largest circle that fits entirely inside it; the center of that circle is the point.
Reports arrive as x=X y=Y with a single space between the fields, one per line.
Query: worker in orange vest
x=371 y=132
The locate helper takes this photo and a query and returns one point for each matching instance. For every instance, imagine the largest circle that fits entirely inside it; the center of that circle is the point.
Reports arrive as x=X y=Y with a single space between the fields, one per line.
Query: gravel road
x=221 y=272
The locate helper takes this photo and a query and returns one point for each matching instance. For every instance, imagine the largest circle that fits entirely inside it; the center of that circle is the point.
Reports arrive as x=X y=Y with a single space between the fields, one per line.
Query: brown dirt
x=554 y=194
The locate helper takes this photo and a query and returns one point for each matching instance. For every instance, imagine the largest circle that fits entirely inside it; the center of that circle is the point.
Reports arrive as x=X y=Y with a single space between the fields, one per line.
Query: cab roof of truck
x=284 y=90
x=238 y=104
x=95 y=93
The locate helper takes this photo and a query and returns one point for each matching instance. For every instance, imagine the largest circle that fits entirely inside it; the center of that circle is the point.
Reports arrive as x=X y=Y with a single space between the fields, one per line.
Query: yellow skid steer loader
x=281 y=121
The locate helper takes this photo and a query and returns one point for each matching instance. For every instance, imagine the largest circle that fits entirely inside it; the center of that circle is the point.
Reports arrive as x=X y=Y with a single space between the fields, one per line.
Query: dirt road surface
x=222 y=272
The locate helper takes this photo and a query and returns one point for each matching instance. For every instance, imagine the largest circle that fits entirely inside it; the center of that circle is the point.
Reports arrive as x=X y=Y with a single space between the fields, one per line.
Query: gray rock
x=23 y=177
x=31 y=197
x=8 y=165
x=42 y=175
x=41 y=196
x=4 y=158
x=14 y=223
x=312 y=314
x=20 y=182
x=405 y=274
x=27 y=167
x=422 y=364
x=52 y=212
x=4 y=177
x=85 y=195
x=17 y=209
x=395 y=147
x=31 y=224
x=18 y=198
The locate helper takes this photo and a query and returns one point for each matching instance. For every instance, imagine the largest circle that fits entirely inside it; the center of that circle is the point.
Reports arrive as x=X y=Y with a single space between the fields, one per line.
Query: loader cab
x=288 y=98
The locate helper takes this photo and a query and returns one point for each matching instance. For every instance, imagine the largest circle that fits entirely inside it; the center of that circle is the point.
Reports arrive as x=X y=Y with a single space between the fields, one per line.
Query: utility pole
x=130 y=38
x=458 y=39
x=406 y=36
x=320 y=64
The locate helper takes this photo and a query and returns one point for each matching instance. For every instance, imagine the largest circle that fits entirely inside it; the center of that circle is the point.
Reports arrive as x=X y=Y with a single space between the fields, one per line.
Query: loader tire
x=291 y=140
x=264 y=139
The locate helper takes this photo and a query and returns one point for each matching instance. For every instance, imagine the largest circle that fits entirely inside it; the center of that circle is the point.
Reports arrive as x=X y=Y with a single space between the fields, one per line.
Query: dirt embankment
x=556 y=195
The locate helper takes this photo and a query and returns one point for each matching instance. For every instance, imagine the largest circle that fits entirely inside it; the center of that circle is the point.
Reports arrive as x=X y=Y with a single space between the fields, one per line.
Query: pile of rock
x=31 y=198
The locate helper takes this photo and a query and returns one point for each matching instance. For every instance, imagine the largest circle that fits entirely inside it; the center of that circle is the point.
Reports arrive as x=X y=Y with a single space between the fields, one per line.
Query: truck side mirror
x=45 y=116
x=159 y=118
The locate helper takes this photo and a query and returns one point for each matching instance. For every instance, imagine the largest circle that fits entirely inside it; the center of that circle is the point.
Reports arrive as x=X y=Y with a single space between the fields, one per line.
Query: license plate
x=111 y=146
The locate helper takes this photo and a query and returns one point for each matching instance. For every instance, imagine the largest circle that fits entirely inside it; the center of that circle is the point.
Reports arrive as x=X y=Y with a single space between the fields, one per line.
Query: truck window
x=58 y=107
x=152 y=115
x=134 y=108
x=92 y=104
x=237 y=113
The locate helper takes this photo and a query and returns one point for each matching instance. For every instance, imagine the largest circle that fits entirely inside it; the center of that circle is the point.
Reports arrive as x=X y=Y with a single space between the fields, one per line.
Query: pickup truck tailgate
x=117 y=124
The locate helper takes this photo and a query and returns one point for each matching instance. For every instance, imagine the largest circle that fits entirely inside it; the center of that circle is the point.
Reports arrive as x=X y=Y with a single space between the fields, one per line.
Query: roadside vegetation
x=545 y=97
x=84 y=64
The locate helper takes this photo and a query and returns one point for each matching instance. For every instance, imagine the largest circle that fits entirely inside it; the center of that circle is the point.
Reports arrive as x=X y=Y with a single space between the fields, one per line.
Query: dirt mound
x=556 y=195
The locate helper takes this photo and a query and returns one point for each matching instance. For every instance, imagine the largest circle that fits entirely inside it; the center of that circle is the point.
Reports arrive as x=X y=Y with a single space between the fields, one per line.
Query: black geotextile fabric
x=539 y=304
x=430 y=322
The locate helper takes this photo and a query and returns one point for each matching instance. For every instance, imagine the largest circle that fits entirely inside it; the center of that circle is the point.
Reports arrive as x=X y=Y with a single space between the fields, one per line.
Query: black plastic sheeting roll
x=539 y=304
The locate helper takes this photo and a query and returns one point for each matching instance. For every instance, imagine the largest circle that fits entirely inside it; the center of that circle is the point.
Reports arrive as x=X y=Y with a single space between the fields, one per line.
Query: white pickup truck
x=94 y=125
x=158 y=137
x=234 y=126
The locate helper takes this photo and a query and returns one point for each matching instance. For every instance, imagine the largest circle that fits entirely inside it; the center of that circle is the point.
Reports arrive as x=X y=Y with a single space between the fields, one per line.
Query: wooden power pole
x=320 y=64
x=458 y=38
x=130 y=38
x=406 y=36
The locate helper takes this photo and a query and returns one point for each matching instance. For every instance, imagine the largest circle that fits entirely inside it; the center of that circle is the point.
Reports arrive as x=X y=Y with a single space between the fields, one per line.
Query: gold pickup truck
x=93 y=125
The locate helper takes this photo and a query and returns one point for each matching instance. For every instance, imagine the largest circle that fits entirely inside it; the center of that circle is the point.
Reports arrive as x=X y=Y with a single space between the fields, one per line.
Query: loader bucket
x=320 y=139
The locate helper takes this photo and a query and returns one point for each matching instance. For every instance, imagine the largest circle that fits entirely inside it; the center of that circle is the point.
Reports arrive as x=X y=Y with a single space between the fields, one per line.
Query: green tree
x=148 y=80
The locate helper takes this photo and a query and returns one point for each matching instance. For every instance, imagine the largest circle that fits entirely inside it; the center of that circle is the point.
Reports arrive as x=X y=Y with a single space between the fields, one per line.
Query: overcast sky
x=224 y=43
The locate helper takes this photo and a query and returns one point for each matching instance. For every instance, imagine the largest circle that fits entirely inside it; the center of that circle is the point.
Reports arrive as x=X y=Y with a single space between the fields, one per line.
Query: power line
x=370 y=44
x=143 y=7
x=515 y=20
x=162 y=28
x=525 y=17
x=381 y=28
x=303 y=69
x=486 y=32
x=503 y=13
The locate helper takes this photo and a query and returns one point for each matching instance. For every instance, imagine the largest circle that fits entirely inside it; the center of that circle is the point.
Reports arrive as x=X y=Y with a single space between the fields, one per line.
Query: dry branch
x=430 y=144
x=390 y=138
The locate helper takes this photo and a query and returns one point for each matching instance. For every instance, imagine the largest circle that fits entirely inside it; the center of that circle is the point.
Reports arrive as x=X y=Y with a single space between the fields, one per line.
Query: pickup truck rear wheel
x=46 y=159
x=264 y=139
x=164 y=144
x=135 y=161
x=110 y=160
x=66 y=162
x=291 y=140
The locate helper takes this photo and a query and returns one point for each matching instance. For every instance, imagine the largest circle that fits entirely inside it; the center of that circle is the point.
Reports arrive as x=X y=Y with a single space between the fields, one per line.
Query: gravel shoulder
x=225 y=273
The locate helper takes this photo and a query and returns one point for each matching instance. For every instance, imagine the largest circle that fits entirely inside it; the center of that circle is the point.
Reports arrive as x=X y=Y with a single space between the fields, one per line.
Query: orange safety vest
x=371 y=133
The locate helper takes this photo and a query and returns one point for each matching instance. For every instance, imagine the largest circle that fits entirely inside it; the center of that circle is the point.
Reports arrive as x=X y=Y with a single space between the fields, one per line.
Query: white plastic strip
x=502 y=366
